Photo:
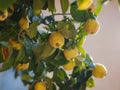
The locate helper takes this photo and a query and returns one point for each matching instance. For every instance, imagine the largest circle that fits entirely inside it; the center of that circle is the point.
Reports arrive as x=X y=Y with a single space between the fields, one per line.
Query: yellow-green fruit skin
x=56 y=40
x=84 y=4
x=71 y=53
x=24 y=23
x=22 y=66
x=99 y=71
x=69 y=66
x=92 y=26
x=4 y=15
x=40 y=86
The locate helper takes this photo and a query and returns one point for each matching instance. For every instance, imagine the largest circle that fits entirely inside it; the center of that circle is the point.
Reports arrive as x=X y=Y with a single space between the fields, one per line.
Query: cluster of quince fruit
x=57 y=38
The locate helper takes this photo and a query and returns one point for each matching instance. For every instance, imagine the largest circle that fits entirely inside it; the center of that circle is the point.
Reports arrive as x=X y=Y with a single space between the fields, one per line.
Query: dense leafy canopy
x=25 y=47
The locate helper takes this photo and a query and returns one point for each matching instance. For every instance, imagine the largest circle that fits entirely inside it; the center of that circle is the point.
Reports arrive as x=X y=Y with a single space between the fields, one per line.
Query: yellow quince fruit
x=24 y=23
x=40 y=86
x=3 y=15
x=70 y=53
x=69 y=66
x=92 y=26
x=99 y=71
x=56 y=40
x=84 y=4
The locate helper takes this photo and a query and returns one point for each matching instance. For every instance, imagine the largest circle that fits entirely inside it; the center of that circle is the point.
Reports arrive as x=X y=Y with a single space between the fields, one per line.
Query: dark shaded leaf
x=5 y=35
x=43 y=50
x=88 y=74
x=54 y=87
x=6 y=3
x=76 y=71
x=49 y=83
x=32 y=65
x=83 y=86
x=60 y=59
x=56 y=60
x=38 y=6
x=51 y=6
x=64 y=5
x=21 y=56
x=79 y=15
x=40 y=69
x=59 y=75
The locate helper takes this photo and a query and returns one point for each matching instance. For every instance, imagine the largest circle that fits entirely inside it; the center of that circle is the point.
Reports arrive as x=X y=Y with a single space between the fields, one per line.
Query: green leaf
x=26 y=77
x=5 y=29
x=6 y=3
x=57 y=59
x=64 y=5
x=38 y=6
x=60 y=59
x=82 y=86
x=82 y=51
x=89 y=61
x=67 y=29
x=88 y=74
x=40 y=69
x=32 y=65
x=90 y=83
x=75 y=71
x=49 y=83
x=81 y=41
x=99 y=6
x=51 y=6
x=59 y=75
x=21 y=56
x=79 y=15
x=32 y=30
x=43 y=50
x=54 y=87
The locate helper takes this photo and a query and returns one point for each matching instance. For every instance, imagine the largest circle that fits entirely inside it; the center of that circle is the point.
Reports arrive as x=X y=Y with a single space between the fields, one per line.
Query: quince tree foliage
x=35 y=44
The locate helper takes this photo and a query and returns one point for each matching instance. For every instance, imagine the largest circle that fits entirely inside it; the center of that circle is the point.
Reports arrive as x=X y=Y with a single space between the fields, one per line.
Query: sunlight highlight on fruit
x=84 y=4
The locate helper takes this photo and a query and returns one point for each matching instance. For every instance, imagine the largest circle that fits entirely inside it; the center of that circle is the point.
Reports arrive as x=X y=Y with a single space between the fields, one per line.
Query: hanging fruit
x=33 y=40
